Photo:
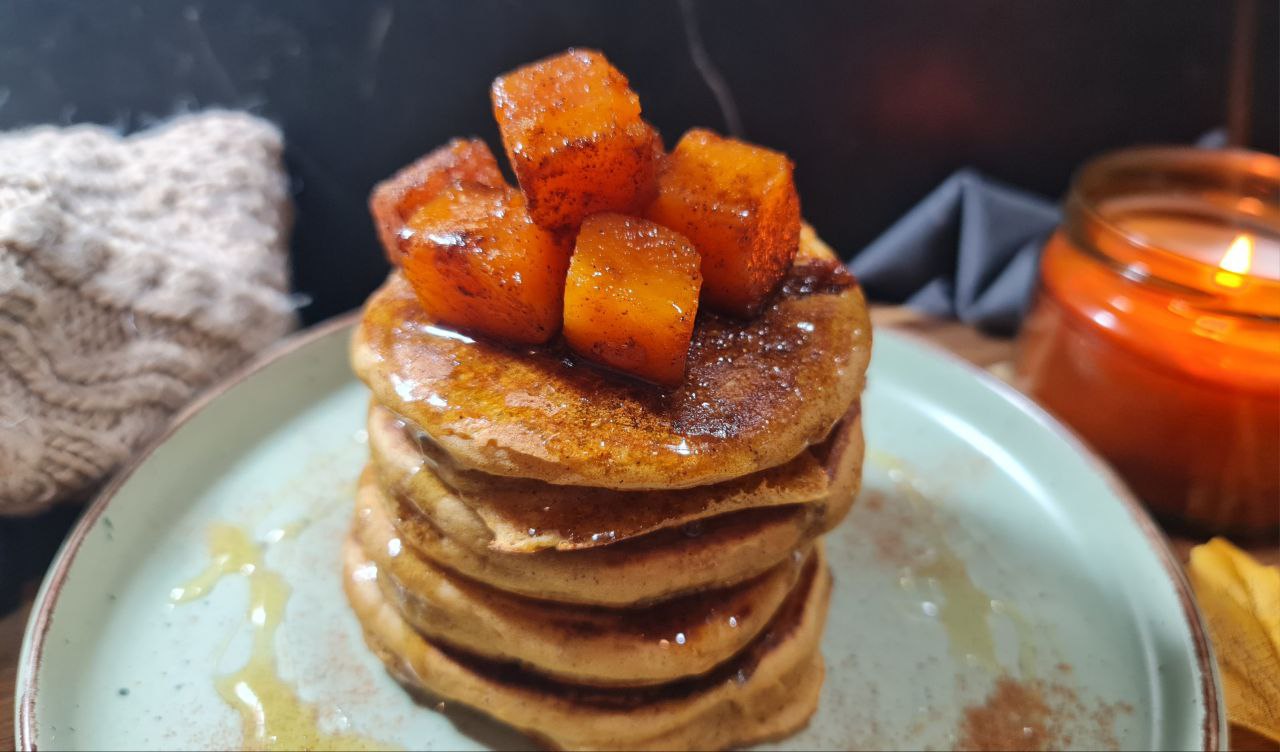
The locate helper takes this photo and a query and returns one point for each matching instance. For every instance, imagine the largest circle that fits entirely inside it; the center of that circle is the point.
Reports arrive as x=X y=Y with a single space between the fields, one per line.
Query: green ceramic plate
x=995 y=584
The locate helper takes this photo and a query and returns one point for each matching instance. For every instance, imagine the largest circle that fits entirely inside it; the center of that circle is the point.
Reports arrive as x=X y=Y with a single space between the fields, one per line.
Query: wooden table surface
x=987 y=352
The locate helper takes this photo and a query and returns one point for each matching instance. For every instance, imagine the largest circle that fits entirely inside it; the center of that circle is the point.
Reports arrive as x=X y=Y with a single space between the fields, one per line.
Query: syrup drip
x=271 y=713
x=964 y=607
x=964 y=610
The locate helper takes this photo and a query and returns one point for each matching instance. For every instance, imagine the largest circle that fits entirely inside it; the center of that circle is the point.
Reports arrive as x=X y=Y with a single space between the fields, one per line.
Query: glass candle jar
x=1155 y=332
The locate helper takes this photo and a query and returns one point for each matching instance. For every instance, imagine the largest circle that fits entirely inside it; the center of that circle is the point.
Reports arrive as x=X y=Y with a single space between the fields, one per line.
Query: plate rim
x=37 y=627
x=33 y=641
x=1214 y=727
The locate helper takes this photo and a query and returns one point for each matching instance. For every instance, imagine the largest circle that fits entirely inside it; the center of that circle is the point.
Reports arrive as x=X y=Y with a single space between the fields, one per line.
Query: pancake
x=632 y=646
x=755 y=395
x=842 y=455
x=726 y=550
x=768 y=690
x=526 y=515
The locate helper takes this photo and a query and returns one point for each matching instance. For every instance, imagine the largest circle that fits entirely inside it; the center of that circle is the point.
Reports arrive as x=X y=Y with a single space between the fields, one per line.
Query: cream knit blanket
x=133 y=272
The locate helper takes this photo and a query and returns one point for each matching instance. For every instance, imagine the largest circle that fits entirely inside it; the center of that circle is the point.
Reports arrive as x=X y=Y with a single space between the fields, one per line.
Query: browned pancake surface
x=727 y=550
x=768 y=689
x=528 y=515
x=756 y=393
x=662 y=642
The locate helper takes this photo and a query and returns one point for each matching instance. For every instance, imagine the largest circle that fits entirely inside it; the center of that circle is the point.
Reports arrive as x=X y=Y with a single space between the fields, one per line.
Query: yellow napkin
x=1240 y=599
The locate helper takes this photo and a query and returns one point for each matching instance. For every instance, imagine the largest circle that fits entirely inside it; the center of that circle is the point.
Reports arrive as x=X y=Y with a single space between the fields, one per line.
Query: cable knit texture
x=134 y=271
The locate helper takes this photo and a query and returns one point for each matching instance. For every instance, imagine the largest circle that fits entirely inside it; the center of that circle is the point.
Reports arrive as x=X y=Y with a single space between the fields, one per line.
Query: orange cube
x=572 y=129
x=737 y=202
x=478 y=262
x=632 y=296
x=395 y=199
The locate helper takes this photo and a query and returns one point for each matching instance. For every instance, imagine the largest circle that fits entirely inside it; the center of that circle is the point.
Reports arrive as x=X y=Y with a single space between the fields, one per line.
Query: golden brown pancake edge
x=775 y=694
x=526 y=516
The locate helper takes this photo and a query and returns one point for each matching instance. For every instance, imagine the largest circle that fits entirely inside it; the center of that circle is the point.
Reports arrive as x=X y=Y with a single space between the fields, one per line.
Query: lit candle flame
x=1235 y=262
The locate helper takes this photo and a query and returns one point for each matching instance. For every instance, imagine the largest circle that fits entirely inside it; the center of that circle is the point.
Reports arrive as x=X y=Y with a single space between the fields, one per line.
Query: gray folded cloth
x=969 y=250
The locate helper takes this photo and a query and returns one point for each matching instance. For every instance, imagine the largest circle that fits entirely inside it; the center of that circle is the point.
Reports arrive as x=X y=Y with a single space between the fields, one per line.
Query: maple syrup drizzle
x=271 y=713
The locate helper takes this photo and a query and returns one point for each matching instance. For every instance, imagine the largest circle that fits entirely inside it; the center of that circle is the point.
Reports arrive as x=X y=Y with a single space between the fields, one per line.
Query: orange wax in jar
x=1155 y=332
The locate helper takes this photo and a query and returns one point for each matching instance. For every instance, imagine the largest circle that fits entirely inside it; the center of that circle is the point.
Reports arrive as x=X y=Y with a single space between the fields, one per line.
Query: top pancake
x=755 y=395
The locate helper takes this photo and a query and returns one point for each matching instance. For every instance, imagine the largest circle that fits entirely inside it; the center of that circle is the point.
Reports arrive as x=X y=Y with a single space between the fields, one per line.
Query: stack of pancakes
x=598 y=562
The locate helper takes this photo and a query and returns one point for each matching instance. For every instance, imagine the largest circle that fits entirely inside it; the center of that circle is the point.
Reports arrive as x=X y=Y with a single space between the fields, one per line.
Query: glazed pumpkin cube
x=479 y=263
x=571 y=127
x=395 y=199
x=631 y=296
x=737 y=202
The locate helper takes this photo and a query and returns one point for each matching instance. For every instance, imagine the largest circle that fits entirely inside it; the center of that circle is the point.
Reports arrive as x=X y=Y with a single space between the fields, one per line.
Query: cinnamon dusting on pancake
x=817 y=277
x=755 y=395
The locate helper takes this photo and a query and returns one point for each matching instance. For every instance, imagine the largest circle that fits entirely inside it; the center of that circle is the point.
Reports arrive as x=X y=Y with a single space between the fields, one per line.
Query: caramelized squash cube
x=395 y=199
x=737 y=202
x=571 y=127
x=479 y=263
x=632 y=296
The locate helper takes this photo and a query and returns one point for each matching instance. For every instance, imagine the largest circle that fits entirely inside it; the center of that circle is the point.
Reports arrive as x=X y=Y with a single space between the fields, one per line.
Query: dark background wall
x=876 y=101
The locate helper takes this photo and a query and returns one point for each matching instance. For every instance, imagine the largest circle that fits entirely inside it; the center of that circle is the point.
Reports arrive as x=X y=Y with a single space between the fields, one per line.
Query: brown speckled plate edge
x=27 y=689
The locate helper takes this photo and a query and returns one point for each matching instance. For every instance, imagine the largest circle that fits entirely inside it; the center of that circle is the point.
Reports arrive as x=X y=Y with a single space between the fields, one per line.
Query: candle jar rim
x=1251 y=179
